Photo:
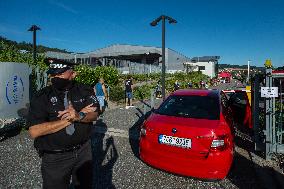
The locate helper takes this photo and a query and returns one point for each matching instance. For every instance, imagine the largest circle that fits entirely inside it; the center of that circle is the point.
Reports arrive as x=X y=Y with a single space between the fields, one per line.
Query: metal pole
x=255 y=112
x=268 y=117
x=280 y=113
x=248 y=71
x=163 y=58
x=34 y=45
x=152 y=98
x=34 y=28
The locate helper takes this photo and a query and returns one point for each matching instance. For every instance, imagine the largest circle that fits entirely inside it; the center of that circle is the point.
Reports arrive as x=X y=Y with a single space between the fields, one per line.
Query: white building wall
x=209 y=68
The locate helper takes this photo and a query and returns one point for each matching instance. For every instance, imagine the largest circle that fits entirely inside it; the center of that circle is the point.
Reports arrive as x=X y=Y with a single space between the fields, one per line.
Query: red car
x=190 y=134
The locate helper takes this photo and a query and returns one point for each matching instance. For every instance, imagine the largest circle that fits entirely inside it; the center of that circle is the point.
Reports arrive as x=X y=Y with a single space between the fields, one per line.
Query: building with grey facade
x=129 y=58
x=141 y=59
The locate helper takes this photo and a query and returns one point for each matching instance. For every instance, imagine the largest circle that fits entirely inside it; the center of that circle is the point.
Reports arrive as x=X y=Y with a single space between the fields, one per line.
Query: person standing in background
x=176 y=85
x=128 y=91
x=101 y=93
x=189 y=84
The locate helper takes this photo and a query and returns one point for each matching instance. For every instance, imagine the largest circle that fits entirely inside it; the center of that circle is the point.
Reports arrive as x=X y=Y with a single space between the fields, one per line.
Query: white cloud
x=65 y=7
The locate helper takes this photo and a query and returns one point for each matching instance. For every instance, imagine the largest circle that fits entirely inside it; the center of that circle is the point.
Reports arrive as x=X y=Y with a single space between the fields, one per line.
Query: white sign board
x=269 y=92
x=14 y=89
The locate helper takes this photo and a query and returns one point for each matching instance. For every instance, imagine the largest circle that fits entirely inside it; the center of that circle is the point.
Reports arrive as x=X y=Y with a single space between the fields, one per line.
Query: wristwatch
x=82 y=115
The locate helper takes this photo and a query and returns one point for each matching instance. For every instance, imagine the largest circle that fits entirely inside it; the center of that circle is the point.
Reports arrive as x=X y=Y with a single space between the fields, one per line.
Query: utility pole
x=34 y=28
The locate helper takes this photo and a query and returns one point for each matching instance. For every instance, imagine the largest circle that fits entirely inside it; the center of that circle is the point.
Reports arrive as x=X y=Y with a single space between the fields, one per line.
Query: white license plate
x=175 y=141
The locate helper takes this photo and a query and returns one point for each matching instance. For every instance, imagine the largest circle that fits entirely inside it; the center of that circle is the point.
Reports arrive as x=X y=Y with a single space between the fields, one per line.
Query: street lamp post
x=155 y=23
x=34 y=28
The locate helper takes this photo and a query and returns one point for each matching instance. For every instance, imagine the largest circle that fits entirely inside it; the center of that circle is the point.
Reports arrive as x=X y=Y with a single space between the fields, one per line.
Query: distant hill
x=29 y=47
x=280 y=68
x=222 y=66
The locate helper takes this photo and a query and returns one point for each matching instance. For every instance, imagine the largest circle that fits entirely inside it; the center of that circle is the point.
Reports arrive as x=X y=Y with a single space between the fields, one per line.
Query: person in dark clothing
x=60 y=121
x=128 y=91
x=189 y=84
x=158 y=91
x=176 y=85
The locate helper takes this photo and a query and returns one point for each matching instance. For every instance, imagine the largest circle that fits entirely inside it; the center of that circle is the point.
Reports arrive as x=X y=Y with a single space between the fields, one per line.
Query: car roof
x=196 y=92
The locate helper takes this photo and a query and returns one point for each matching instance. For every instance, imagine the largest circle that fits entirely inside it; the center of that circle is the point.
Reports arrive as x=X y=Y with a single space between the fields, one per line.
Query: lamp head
x=171 y=20
x=154 y=23
x=34 y=28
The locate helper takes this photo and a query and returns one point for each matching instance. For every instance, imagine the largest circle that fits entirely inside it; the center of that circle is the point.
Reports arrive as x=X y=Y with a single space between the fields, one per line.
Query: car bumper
x=215 y=166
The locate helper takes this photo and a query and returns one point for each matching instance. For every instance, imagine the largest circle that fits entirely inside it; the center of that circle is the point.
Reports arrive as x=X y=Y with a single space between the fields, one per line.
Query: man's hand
x=71 y=115
x=88 y=109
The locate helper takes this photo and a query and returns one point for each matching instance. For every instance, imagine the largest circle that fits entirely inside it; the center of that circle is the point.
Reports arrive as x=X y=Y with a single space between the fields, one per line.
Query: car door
x=241 y=109
x=226 y=110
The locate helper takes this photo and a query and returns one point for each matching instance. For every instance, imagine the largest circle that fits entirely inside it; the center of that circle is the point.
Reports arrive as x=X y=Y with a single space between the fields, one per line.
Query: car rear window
x=199 y=107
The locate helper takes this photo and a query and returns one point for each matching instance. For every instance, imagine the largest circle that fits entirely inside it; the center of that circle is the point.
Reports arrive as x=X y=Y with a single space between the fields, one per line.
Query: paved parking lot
x=117 y=164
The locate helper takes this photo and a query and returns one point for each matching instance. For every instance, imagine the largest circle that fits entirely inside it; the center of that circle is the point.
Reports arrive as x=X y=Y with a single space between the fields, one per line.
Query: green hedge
x=116 y=93
x=141 y=77
x=90 y=75
x=143 y=92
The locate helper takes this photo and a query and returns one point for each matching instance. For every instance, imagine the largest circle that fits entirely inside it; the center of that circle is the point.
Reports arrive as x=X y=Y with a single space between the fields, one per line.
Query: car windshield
x=199 y=107
x=239 y=98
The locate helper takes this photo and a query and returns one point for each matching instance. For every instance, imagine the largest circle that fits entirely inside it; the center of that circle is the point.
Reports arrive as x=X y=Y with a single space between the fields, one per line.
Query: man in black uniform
x=60 y=121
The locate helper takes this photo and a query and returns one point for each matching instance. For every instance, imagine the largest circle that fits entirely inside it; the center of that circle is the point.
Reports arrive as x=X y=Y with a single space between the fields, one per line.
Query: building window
x=200 y=68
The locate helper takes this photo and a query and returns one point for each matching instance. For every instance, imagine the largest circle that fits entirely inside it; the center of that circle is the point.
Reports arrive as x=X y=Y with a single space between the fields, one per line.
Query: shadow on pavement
x=10 y=130
x=242 y=173
x=14 y=128
x=104 y=158
x=246 y=174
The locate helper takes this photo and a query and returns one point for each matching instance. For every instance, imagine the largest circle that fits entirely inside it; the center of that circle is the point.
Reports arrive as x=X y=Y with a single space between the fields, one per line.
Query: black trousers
x=57 y=169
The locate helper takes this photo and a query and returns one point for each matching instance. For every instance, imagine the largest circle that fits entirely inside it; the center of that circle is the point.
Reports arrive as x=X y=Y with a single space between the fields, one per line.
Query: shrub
x=89 y=75
x=116 y=93
x=143 y=92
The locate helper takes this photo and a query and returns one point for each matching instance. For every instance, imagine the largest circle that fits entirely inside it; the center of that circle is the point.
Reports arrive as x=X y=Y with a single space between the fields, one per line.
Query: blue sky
x=236 y=30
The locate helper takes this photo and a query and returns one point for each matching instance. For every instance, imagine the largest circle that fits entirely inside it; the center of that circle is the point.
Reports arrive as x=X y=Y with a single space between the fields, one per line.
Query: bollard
x=144 y=109
x=152 y=98
x=2 y=123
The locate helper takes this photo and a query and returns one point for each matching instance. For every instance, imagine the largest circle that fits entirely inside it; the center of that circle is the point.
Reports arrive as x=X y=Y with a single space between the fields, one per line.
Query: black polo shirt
x=44 y=107
x=128 y=83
